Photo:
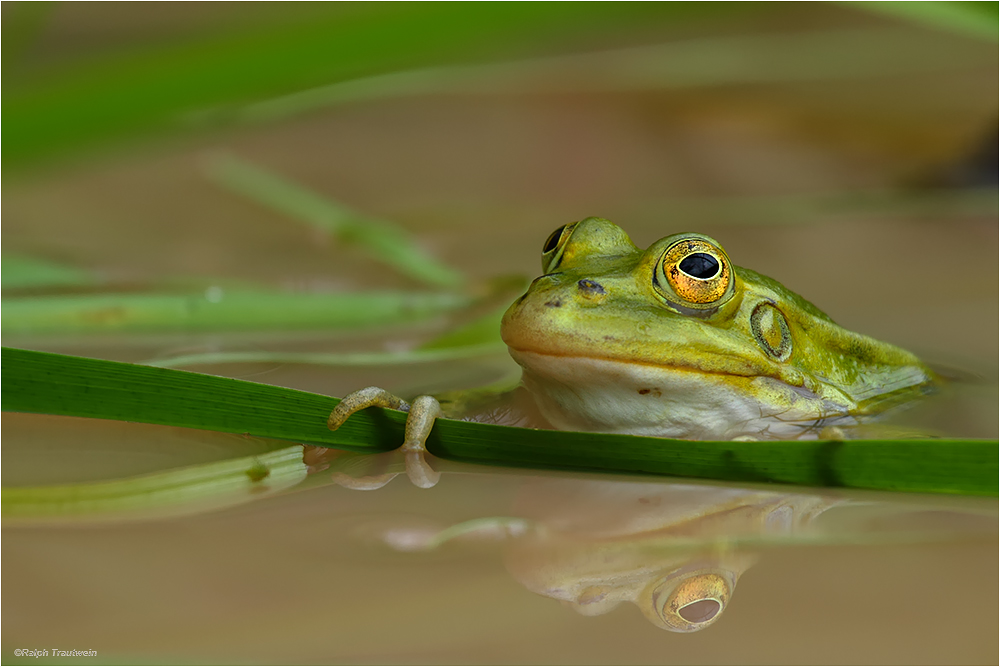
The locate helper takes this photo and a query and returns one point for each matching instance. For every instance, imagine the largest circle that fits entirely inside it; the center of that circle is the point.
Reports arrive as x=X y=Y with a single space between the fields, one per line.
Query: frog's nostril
x=700 y=611
x=590 y=287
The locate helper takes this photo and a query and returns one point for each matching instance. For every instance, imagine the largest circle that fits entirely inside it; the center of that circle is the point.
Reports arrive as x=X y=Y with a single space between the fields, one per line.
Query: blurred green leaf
x=484 y=331
x=971 y=18
x=22 y=23
x=22 y=272
x=820 y=207
x=189 y=489
x=400 y=48
x=419 y=356
x=94 y=100
x=772 y=58
x=47 y=383
x=381 y=239
x=217 y=309
x=60 y=109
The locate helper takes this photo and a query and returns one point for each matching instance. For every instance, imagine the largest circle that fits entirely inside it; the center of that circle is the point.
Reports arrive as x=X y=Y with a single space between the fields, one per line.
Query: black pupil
x=553 y=240
x=699 y=265
x=700 y=611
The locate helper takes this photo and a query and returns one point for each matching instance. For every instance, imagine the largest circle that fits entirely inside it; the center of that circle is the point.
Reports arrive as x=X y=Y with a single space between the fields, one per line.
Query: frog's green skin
x=607 y=345
x=615 y=339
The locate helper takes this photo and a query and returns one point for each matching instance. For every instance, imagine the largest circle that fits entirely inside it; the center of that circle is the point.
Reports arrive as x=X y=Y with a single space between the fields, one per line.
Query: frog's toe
x=412 y=456
x=361 y=399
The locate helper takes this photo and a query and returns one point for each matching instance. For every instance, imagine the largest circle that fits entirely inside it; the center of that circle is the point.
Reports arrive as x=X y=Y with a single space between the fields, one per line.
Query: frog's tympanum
x=672 y=341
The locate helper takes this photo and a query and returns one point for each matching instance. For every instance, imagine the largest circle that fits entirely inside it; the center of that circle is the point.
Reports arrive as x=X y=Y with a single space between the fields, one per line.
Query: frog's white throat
x=611 y=396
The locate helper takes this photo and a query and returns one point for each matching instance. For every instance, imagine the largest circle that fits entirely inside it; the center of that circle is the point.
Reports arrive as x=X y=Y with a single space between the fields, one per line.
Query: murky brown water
x=475 y=570
x=322 y=574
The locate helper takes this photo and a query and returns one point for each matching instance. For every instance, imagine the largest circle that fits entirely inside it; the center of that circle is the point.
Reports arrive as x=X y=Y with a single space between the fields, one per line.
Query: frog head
x=677 y=341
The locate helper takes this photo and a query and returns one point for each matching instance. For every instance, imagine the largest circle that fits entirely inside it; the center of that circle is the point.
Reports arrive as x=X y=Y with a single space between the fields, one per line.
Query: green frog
x=673 y=341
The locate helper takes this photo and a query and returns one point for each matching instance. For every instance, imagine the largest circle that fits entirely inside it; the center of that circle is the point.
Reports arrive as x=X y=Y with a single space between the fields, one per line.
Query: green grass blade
x=23 y=272
x=92 y=101
x=978 y=19
x=484 y=331
x=51 y=111
x=46 y=383
x=217 y=309
x=824 y=207
x=184 y=490
x=776 y=58
x=381 y=239
x=56 y=384
x=419 y=356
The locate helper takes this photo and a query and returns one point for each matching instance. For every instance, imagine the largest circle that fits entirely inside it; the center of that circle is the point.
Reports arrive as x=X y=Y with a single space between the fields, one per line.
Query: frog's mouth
x=556 y=364
x=526 y=331
x=689 y=366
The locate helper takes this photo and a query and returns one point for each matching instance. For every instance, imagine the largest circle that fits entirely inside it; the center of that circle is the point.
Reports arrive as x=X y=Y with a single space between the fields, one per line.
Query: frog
x=673 y=341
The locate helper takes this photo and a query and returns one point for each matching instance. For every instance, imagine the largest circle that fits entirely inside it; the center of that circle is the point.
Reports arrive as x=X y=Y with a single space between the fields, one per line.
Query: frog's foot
x=413 y=453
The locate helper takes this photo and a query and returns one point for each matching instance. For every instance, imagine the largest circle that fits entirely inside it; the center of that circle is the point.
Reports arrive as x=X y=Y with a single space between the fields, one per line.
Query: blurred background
x=161 y=159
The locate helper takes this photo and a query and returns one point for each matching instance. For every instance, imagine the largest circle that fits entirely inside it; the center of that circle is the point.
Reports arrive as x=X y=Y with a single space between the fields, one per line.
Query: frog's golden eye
x=554 y=245
x=694 y=273
x=692 y=603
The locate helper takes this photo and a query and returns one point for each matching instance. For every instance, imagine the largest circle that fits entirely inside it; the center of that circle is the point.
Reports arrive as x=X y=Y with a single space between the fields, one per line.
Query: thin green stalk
x=216 y=309
x=381 y=239
x=331 y=359
x=184 y=490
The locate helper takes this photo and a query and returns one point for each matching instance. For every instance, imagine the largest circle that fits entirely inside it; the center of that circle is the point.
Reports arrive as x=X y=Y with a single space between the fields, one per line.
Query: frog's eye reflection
x=690 y=603
x=694 y=273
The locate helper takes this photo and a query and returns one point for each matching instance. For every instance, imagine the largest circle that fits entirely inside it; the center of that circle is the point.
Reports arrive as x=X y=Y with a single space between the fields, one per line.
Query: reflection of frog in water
x=671 y=549
x=673 y=341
